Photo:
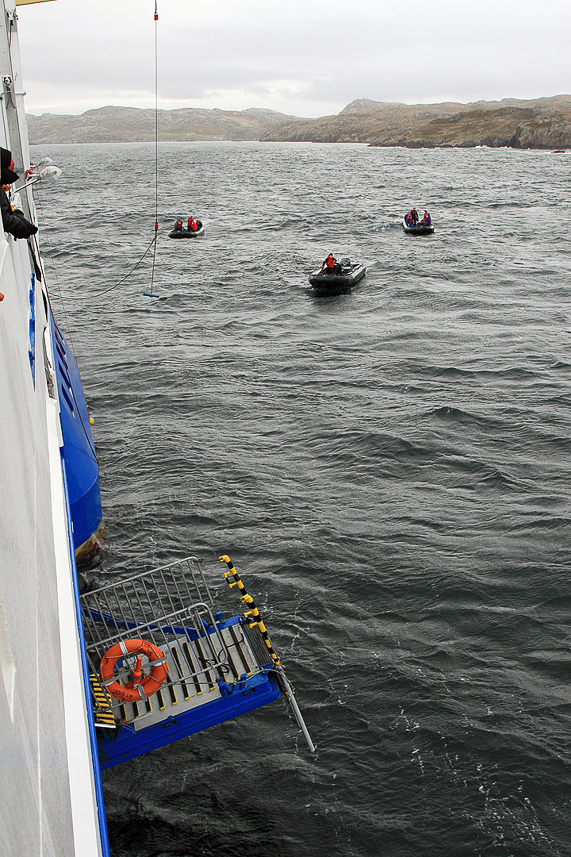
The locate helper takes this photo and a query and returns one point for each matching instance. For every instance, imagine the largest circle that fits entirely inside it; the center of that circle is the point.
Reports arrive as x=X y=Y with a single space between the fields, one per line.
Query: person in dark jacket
x=14 y=222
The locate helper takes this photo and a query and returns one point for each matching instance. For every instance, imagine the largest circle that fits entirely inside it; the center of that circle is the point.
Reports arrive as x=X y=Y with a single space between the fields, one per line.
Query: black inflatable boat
x=419 y=229
x=344 y=276
x=188 y=233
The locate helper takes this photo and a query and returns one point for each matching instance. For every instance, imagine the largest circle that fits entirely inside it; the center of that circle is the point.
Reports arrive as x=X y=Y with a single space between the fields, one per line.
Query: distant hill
x=543 y=123
x=132 y=124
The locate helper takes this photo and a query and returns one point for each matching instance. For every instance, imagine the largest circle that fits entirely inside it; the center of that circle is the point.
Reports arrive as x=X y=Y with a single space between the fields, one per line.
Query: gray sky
x=302 y=57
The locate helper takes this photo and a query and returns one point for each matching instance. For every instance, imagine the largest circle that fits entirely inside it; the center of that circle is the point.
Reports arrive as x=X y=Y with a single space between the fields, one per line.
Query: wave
x=387 y=469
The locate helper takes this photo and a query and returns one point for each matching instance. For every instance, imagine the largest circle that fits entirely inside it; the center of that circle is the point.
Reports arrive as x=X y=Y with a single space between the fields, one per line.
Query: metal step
x=102 y=704
x=191 y=680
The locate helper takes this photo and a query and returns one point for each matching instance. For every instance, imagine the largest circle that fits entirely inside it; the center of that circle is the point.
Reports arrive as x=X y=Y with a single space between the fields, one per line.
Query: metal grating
x=170 y=607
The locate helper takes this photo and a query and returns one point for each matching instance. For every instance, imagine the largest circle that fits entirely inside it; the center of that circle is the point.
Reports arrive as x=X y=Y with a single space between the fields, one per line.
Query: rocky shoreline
x=543 y=123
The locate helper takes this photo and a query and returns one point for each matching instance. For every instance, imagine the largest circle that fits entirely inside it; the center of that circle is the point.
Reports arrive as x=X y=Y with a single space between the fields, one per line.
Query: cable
x=153 y=242
x=136 y=265
x=45 y=236
x=37 y=258
x=41 y=216
x=156 y=143
x=156 y=119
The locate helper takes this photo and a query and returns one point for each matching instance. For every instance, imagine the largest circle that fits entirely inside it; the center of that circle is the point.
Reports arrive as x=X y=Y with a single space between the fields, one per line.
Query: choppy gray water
x=388 y=469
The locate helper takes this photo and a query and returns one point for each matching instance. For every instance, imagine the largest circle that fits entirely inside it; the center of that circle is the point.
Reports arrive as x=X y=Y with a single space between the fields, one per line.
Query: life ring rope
x=142 y=685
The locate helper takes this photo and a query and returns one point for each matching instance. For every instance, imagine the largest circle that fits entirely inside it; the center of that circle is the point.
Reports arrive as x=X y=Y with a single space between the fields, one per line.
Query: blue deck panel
x=125 y=743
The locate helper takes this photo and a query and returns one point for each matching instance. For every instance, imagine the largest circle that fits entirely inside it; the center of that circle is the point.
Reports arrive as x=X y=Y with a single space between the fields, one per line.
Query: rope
x=156 y=143
x=156 y=119
x=136 y=265
x=153 y=243
x=43 y=221
x=46 y=238
x=38 y=259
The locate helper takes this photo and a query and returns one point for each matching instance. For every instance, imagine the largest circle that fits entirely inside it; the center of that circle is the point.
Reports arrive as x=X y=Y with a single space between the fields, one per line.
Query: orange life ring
x=141 y=686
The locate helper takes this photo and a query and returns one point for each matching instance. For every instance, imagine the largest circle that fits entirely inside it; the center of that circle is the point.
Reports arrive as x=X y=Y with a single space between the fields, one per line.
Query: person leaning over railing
x=13 y=220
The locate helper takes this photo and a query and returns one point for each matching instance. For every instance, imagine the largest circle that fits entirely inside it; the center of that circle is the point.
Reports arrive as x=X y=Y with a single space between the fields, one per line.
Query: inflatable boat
x=419 y=229
x=344 y=276
x=188 y=233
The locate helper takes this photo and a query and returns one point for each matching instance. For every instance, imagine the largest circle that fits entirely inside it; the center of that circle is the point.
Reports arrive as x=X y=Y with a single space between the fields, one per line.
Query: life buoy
x=141 y=686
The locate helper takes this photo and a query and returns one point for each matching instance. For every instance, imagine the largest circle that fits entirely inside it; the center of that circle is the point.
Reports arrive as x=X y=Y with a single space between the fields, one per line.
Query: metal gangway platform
x=211 y=667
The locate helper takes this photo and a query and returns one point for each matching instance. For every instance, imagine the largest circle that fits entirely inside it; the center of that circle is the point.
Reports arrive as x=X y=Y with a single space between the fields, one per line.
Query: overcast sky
x=301 y=57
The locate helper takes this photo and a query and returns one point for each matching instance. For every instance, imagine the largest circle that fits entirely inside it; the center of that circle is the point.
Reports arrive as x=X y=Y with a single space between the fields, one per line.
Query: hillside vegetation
x=543 y=123
x=133 y=125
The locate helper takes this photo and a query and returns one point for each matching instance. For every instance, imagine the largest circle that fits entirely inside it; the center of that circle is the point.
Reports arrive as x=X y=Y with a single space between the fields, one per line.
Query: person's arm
x=17 y=226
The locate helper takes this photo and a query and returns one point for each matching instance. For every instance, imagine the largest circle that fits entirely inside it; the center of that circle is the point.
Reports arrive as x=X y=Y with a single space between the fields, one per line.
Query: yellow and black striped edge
x=102 y=704
x=233 y=579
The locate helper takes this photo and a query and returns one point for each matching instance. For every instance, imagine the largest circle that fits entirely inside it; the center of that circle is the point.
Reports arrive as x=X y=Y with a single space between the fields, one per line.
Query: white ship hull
x=49 y=785
x=63 y=663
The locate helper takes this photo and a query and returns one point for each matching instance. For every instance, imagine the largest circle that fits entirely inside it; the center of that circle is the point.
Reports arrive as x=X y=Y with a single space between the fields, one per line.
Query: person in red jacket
x=192 y=225
x=330 y=265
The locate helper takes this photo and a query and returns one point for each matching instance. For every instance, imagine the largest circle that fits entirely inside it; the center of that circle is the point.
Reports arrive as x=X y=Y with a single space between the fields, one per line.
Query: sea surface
x=388 y=468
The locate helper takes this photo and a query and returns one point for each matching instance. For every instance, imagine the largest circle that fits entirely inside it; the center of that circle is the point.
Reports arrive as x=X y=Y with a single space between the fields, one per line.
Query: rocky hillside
x=131 y=124
x=544 y=123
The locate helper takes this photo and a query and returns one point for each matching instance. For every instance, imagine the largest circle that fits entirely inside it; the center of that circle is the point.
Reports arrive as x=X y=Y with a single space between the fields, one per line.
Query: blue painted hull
x=80 y=460
x=126 y=743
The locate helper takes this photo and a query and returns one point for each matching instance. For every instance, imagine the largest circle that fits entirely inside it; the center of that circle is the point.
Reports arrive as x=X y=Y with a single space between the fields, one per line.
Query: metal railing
x=170 y=607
